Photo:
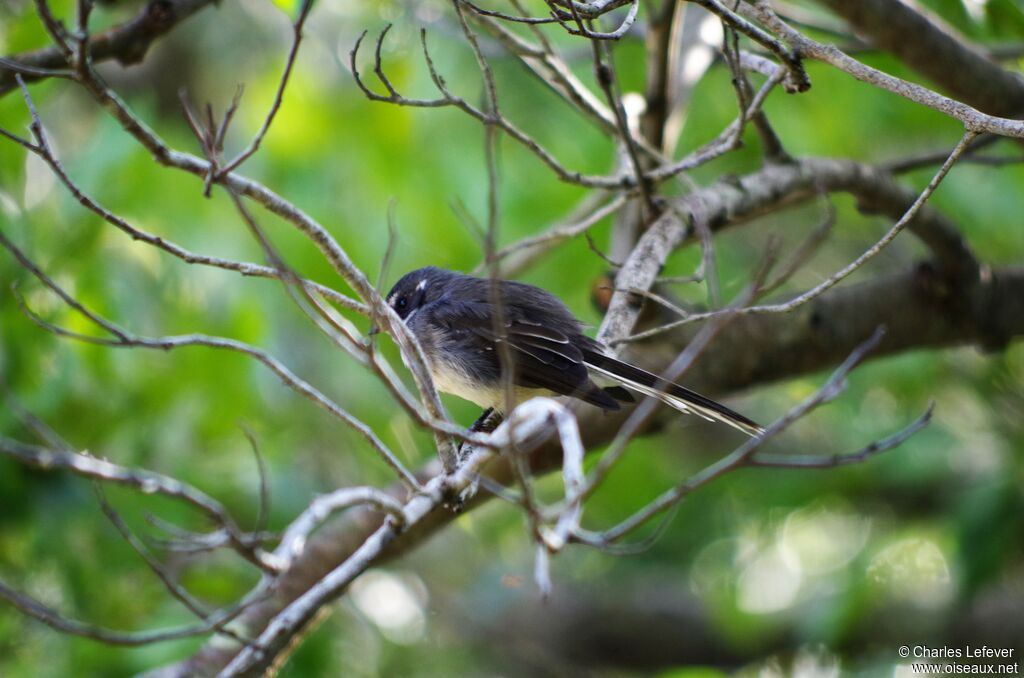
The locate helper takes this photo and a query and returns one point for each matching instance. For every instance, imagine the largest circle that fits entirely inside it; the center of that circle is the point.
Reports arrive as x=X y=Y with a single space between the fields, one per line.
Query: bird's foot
x=455 y=501
x=485 y=423
x=489 y=420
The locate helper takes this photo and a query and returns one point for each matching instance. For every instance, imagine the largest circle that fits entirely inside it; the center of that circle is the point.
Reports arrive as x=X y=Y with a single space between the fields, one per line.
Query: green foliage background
x=935 y=525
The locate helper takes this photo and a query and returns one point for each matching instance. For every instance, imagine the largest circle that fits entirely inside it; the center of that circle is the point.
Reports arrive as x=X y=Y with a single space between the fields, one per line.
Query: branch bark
x=933 y=50
x=126 y=43
x=953 y=301
x=733 y=201
x=972 y=118
x=916 y=307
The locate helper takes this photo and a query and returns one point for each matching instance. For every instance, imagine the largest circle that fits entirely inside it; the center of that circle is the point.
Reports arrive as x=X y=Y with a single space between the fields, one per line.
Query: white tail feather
x=677 y=403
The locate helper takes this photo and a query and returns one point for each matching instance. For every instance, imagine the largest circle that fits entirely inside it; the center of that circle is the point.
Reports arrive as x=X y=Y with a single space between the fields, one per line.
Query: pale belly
x=449 y=379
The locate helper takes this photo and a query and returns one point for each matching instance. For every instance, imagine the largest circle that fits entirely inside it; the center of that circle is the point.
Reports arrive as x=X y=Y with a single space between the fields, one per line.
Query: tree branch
x=144 y=481
x=734 y=201
x=126 y=43
x=752 y=350
x=936 y=52
x=971 y=117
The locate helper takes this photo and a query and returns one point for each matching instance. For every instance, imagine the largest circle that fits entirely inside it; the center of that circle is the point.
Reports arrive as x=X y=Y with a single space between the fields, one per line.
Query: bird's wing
x=543 y=357
x=547 y=358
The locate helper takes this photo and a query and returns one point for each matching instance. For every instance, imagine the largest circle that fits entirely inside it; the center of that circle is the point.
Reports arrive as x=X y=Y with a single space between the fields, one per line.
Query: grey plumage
x=452 y=315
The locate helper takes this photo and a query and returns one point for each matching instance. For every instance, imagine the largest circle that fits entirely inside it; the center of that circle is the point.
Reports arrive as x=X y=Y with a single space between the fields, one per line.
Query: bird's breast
x=451 y=378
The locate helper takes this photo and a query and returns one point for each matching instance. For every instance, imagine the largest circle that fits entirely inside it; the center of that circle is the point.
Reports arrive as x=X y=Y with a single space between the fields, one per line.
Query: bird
x=454 y=317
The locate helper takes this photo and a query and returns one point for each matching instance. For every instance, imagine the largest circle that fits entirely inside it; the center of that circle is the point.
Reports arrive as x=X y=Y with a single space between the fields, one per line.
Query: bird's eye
x=402 y=303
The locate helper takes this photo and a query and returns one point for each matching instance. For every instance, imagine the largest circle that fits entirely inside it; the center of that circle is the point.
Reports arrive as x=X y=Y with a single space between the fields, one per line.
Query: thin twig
x=176 y=590
x=263 y=507
x=293 y=52
x=25 y=69
x=741 y=456
x=822 y=462
x=843 y=273
x=563 y=231
x=509 y=17
x=797 y=79
x=124 y=339
x=972 y=118
x=583 y=30
x=33 y=608
x=146 y=482
x=45 y=152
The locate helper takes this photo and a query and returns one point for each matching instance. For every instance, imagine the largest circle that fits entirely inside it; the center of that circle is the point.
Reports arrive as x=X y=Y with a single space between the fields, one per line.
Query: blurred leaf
x=289 y=7
x=1005 y=18
x=693 y=672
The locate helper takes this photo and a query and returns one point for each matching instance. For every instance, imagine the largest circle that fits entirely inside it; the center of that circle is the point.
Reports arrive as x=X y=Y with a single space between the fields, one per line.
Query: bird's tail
x=674 y=395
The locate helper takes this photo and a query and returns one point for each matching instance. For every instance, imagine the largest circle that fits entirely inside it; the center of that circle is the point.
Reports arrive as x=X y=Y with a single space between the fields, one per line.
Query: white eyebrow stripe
x=421 y=285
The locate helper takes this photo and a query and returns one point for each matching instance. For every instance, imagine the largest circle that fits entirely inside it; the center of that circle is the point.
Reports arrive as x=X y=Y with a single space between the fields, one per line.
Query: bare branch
x=937 y=52
x=291 y=619
x=796 y=80
x=847 y=270
x=58 y=34
x=127 y=43
x=19 y=68
x=508 y=17
x=590 y=10
x=44 y=151
x=146 y=482
x=735 y=201
x=488 y=118
x=742 y=455
x=33 y=608
x=293 y=52
x=303 y=587
x=411 y=351
x=124 y=339
x=293 y=542
x=588 y=32
x=865 y=453
x=784 y=347
x=174 y=588
x=972 y=118
x=534 y=246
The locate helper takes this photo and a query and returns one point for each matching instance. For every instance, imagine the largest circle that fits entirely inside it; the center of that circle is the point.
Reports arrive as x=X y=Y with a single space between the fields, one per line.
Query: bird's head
x=417 y=288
